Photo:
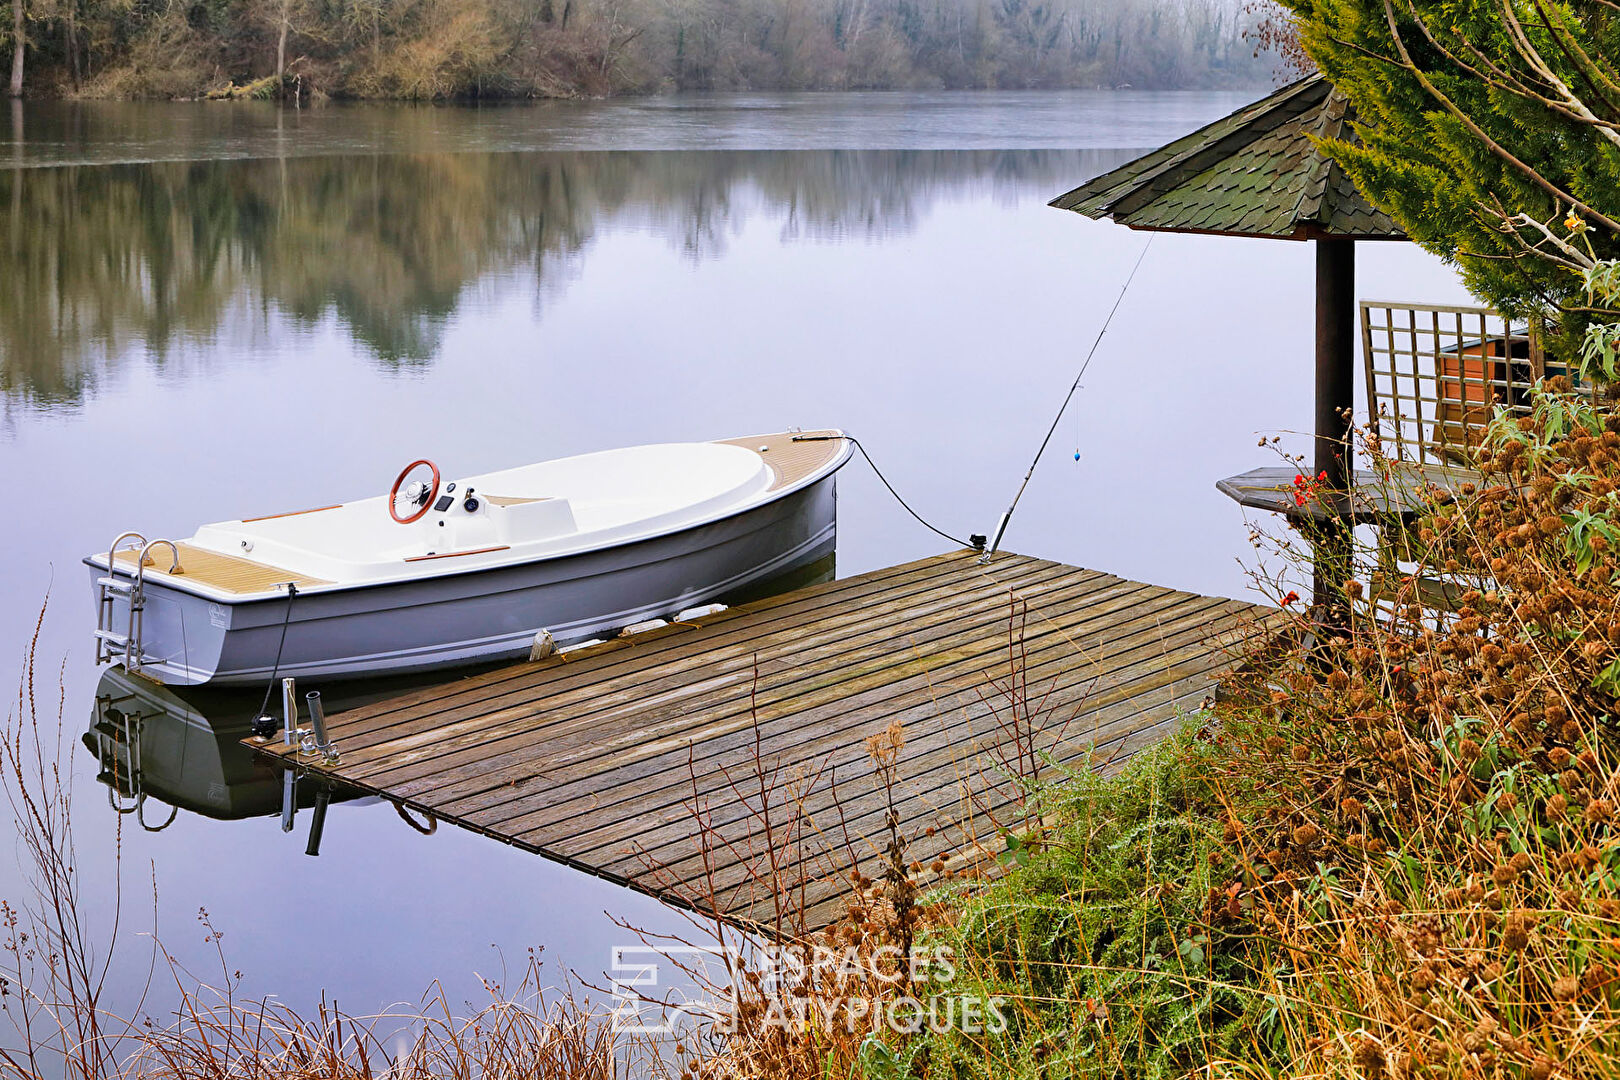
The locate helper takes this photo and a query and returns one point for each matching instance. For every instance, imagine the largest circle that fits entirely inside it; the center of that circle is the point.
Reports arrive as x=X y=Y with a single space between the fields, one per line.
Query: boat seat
x=518 y=519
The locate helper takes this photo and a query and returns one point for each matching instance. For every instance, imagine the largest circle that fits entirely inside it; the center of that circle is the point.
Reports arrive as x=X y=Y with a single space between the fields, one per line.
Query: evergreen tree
x=1490 y=130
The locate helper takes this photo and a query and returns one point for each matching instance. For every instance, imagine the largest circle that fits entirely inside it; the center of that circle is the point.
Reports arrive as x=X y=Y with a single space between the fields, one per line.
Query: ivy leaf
x=1608 y=680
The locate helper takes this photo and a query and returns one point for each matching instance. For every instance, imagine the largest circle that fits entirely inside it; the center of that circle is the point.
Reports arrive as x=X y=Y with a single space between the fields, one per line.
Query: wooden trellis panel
x=1436 y=376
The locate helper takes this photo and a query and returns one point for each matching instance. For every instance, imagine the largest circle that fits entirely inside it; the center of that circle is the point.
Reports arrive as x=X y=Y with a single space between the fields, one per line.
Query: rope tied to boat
x=924 y=522
x=275 y=668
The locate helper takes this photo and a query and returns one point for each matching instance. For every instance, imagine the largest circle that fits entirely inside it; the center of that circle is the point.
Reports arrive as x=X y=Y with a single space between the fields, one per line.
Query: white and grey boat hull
x=482 y=615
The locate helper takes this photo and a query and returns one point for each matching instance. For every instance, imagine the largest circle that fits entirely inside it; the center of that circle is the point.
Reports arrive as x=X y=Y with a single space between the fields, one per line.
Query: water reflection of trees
x=103 y=263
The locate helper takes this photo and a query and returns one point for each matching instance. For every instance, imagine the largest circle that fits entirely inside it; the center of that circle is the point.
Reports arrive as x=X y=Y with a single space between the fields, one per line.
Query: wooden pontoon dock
x=606 y=759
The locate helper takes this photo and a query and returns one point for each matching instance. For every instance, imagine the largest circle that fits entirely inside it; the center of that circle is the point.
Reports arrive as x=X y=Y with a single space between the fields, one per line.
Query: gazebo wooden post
x=1335 y=390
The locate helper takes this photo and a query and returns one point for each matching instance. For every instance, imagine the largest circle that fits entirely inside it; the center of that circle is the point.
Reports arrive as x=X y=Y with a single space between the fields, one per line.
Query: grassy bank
x=1390 y=852
x=1394 y=853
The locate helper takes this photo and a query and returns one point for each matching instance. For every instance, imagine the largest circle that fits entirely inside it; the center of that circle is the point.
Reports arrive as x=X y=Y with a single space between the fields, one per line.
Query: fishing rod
x=1001 y=526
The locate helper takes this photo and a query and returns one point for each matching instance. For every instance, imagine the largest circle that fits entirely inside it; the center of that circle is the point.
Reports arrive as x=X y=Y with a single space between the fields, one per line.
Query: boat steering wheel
x=417 y=494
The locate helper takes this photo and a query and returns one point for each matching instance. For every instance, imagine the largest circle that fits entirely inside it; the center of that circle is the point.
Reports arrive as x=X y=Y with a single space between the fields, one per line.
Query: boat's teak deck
x=793 y=456
x=228 y=573
x=643 y=760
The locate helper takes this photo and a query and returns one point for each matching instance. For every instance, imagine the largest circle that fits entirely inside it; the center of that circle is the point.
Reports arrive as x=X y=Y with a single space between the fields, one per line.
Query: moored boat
x=440 y=573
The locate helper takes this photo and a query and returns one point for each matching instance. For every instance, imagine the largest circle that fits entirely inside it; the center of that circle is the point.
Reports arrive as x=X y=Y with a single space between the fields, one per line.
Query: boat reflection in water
x=184 y=749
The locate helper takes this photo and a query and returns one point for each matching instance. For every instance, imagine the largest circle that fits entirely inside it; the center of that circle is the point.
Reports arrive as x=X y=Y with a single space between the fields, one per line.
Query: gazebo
x=1261 y=173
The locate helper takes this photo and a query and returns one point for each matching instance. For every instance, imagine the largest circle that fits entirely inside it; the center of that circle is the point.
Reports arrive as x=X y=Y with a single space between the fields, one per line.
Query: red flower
x=1307 y=490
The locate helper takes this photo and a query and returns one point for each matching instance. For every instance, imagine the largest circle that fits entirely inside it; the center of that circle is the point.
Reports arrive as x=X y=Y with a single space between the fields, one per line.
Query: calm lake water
x=214 y=311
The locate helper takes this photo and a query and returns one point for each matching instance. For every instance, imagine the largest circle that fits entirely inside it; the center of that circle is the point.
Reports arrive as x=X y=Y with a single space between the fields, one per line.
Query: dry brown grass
x=1421 y=808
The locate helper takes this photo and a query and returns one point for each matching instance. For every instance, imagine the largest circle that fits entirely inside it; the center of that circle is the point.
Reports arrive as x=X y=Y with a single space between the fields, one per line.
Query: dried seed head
x=884 y=747
x=1300 y=753
x=1516 y=931
x=1369 y=1057
x=1566 y=988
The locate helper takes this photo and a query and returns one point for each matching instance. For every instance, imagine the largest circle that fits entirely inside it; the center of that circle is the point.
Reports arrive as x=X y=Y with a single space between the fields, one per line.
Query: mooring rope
x=275 y=669
x=924 y=522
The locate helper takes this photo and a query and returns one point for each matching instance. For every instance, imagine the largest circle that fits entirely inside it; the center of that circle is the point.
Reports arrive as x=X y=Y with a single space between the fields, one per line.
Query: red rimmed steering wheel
x=424 y=502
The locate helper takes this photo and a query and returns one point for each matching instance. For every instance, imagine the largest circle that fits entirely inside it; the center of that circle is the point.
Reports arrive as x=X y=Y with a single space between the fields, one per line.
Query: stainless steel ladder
x=125 y=645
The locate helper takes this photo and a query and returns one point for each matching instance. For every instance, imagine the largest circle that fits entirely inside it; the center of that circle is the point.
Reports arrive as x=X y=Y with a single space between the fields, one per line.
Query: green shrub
x=1101 y=944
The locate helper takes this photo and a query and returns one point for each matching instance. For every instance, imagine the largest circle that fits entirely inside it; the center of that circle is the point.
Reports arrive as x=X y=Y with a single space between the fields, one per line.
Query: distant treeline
x=109 y=265
x=439 y=49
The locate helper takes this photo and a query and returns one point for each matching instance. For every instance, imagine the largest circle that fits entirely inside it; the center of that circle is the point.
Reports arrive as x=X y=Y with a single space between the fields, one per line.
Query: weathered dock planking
x=753 y=722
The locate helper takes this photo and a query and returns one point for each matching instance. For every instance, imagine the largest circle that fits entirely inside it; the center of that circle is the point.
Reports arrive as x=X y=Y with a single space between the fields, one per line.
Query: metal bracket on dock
x=995 y=541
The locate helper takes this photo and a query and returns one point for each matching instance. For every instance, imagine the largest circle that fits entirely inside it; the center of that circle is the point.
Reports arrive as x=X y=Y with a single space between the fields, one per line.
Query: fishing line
x=1001 y=526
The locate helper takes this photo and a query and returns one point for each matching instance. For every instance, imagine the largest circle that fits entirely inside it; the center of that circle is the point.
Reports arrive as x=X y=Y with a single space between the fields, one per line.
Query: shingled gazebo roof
x=1253 y=173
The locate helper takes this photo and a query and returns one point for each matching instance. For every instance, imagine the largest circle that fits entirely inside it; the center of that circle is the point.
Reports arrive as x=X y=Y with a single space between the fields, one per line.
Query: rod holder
x=289 y=711
x=317 y=721
x=317 y=821
x=995 y=541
